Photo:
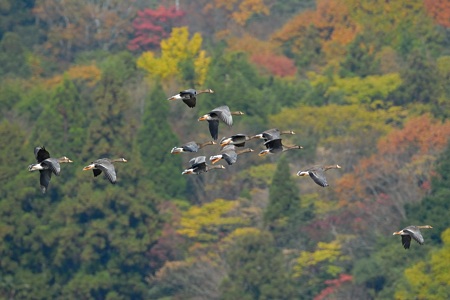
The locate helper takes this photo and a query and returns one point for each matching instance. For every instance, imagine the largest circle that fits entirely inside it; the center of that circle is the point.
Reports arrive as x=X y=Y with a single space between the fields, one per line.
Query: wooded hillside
x=362 y=84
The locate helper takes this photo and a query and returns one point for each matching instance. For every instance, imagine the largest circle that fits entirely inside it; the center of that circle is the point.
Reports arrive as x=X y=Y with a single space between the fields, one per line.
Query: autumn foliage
x=397 y=174
x=153 y=25
x=331 y=19
x=439 y=10
x=239 y=10
x=278 y=65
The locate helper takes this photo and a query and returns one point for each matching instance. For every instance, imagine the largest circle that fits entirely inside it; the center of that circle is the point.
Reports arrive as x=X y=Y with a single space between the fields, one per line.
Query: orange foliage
x=278 y=65
x=251 y=45
x=439 y=10
x=333 y=22
x=398 y=173
x=89 y=74
x=239 y=10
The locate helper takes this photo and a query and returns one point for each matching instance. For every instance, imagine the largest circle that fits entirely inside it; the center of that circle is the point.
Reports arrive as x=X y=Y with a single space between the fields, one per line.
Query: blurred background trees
x=363 y=84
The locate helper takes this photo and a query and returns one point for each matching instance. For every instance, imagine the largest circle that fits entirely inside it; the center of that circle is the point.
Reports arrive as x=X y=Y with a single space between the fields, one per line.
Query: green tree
x=13 y=61
x=434 y=208
x=110 y=130
x=283 y=214
x=360 y=59
x=155 y=139
x=420 y=80
x=256 y=269
x=66 y=112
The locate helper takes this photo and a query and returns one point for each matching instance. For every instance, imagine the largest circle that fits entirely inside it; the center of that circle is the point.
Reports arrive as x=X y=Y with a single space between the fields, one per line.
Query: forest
x=364 y=84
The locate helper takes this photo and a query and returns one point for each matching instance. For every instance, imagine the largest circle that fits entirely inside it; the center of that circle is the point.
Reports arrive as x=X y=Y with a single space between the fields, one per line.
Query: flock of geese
x=272 y=141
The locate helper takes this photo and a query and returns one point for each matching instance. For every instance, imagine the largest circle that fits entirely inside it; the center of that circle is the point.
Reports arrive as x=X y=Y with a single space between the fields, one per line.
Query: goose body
x=411 y=232
x=238 y=140
x=46 y=166
x=106 y=166
x=189 y=96
x=221 y=113
x=191 y=147
x=271 y=134
x=198 y=165
x=317 y=173
x=276 y=146
x=229 y=154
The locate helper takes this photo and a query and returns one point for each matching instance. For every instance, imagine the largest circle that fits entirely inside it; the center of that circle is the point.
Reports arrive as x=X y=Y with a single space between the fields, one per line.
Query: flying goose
x=189 y=96
x=198 y=165
x=229 y=154
x=106 y=165
x=317 y=173
x=411 y=232
x=276 y=146
x=271 y=134
x=46 y=166
x=222 y=113
x=238 y=140
x=191 y=147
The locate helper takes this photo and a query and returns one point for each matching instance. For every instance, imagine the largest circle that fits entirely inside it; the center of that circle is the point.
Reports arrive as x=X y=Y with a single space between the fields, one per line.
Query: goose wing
x=41 y=154
x=196 y=161
x=44 y=179
x=223 y=113
x=188 y=97
x=271 y=134
x=191 y=147
x=198 y=164
x=318 y=176
x=406 y=241
x=191 y=102
x=274 y=145
x=52 y=164
x=239 y=139
x=107 y=167
x=229 y=154
x=415 y=234
x=214 y=128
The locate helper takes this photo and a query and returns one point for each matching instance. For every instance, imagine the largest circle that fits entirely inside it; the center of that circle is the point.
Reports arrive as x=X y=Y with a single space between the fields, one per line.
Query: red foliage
x=439 y=10
x=167 y=247
x=278 y=65
x=151 y=26
x=333 y=285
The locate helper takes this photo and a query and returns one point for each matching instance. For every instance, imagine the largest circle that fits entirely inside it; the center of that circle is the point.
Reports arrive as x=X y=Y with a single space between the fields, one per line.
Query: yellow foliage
x=359 y=90
x=326 y=254
x=429 y=279
x=239 y=10
x=203 y=223
x=90 y=74
x=174 y=51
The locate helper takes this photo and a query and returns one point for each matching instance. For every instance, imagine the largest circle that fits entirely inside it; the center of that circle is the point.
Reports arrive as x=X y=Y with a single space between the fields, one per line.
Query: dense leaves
x=363 y=84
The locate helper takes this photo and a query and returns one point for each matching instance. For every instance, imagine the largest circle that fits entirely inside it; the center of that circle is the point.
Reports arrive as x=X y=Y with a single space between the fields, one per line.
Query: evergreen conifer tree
x=256 y=270
x=283 y=215
x=155 y=140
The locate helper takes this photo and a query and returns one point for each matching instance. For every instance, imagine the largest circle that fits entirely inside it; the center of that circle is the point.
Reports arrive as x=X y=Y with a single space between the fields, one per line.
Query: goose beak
x=396 y=233
x=88 y=167
x=225 y=142
x=263 y=153
x=214 y=160
x=202 y=118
